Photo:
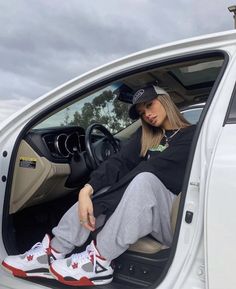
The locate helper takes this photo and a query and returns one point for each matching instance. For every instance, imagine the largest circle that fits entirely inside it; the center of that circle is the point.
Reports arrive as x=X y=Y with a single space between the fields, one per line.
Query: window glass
x=102 y=107
x=232 y=111
x=198 y=73
x=192 y=115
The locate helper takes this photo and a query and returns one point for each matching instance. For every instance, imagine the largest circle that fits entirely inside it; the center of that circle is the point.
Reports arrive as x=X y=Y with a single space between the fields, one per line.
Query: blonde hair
x=151 y=136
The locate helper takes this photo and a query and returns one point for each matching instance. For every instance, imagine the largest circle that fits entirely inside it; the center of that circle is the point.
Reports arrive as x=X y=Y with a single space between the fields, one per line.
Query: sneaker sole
x=20 y=273
x=84 y=281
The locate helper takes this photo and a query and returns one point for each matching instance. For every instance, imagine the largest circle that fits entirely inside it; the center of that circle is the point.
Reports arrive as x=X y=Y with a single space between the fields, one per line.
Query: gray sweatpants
x=144 y=208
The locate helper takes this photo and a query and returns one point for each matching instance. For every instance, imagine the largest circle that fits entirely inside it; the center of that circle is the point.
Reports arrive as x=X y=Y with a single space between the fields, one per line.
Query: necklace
x=162 y=147
x=168 y=138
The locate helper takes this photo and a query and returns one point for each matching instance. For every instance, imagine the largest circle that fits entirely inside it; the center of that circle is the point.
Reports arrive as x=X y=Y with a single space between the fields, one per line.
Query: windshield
x=101 y=106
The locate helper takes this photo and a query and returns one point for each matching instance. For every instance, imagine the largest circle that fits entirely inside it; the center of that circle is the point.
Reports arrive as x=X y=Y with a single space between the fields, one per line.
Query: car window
x=101 y=106
x=197 y=74
x=192 y=115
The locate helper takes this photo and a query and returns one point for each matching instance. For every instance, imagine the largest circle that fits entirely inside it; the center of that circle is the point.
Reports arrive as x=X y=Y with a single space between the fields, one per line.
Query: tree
x=104 y=109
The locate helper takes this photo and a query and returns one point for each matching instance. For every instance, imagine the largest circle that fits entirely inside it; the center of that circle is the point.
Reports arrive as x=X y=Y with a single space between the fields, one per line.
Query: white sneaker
x=83 y=269
x=33 y=263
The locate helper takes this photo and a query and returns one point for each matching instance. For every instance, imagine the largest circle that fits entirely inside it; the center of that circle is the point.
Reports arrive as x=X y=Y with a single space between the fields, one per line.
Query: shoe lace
x=80 y=258
x=37 y=248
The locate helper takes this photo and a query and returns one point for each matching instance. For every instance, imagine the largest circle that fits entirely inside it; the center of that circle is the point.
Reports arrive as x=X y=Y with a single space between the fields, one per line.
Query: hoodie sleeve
x=120 y=164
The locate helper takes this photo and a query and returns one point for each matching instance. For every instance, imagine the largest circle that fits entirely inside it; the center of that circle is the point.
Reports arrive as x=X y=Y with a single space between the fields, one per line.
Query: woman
x=143 y=178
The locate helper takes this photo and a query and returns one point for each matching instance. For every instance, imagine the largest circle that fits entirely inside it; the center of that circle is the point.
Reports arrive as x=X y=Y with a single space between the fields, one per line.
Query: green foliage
x=104 y=109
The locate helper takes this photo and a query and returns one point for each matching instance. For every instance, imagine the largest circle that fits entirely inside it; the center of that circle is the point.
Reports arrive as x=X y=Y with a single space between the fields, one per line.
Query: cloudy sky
x=44 y=43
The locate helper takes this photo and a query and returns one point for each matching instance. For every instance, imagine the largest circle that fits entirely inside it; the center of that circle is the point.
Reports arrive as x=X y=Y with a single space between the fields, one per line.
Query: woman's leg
x=36 y=261
x=144 y=208
x=70 y=233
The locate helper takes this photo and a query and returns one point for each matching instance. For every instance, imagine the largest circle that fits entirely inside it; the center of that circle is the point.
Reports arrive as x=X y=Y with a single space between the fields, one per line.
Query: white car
x=48 y=149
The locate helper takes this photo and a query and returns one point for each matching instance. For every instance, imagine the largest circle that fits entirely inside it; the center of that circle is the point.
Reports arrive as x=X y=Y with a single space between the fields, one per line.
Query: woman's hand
x=86 y=208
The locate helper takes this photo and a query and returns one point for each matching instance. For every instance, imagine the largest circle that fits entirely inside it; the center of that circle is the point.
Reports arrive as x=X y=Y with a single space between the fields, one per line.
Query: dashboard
x=53 y=162
x=60 y=144
x=57 y=144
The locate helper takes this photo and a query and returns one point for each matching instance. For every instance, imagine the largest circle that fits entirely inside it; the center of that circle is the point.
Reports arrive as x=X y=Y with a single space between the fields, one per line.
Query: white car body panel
x=220 y=212
x=193 y=266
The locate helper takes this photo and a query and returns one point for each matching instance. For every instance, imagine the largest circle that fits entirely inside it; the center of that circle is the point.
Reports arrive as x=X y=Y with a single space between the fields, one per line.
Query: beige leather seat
x=147 y=244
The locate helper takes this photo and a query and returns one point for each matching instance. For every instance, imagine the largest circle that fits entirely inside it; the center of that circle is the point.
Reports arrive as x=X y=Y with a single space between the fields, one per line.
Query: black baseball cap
x=144 y=94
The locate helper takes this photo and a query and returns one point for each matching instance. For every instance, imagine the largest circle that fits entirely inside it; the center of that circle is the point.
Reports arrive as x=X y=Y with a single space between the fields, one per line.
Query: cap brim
x=133 y=112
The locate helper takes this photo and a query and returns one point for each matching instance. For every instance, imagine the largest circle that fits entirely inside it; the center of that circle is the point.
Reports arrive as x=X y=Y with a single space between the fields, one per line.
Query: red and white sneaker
x=33 y=263
x=83 y=269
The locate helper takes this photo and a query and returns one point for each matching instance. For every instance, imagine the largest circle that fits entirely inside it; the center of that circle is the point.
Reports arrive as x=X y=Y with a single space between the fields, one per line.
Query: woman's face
x=153 y=113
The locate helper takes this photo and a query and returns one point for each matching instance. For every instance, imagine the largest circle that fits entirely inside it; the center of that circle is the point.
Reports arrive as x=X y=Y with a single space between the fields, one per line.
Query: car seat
x=149 y=245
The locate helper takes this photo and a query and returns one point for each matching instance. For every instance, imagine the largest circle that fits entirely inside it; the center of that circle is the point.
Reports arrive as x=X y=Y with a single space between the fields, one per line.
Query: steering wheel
x=104 y=147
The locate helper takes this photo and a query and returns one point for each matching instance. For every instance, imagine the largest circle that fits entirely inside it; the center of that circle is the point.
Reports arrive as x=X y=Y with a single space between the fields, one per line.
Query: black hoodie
x=119 y=170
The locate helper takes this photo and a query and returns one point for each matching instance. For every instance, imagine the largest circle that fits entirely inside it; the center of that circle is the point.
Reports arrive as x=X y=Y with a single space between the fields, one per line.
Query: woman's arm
x=105 y=175
x=113 y=169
